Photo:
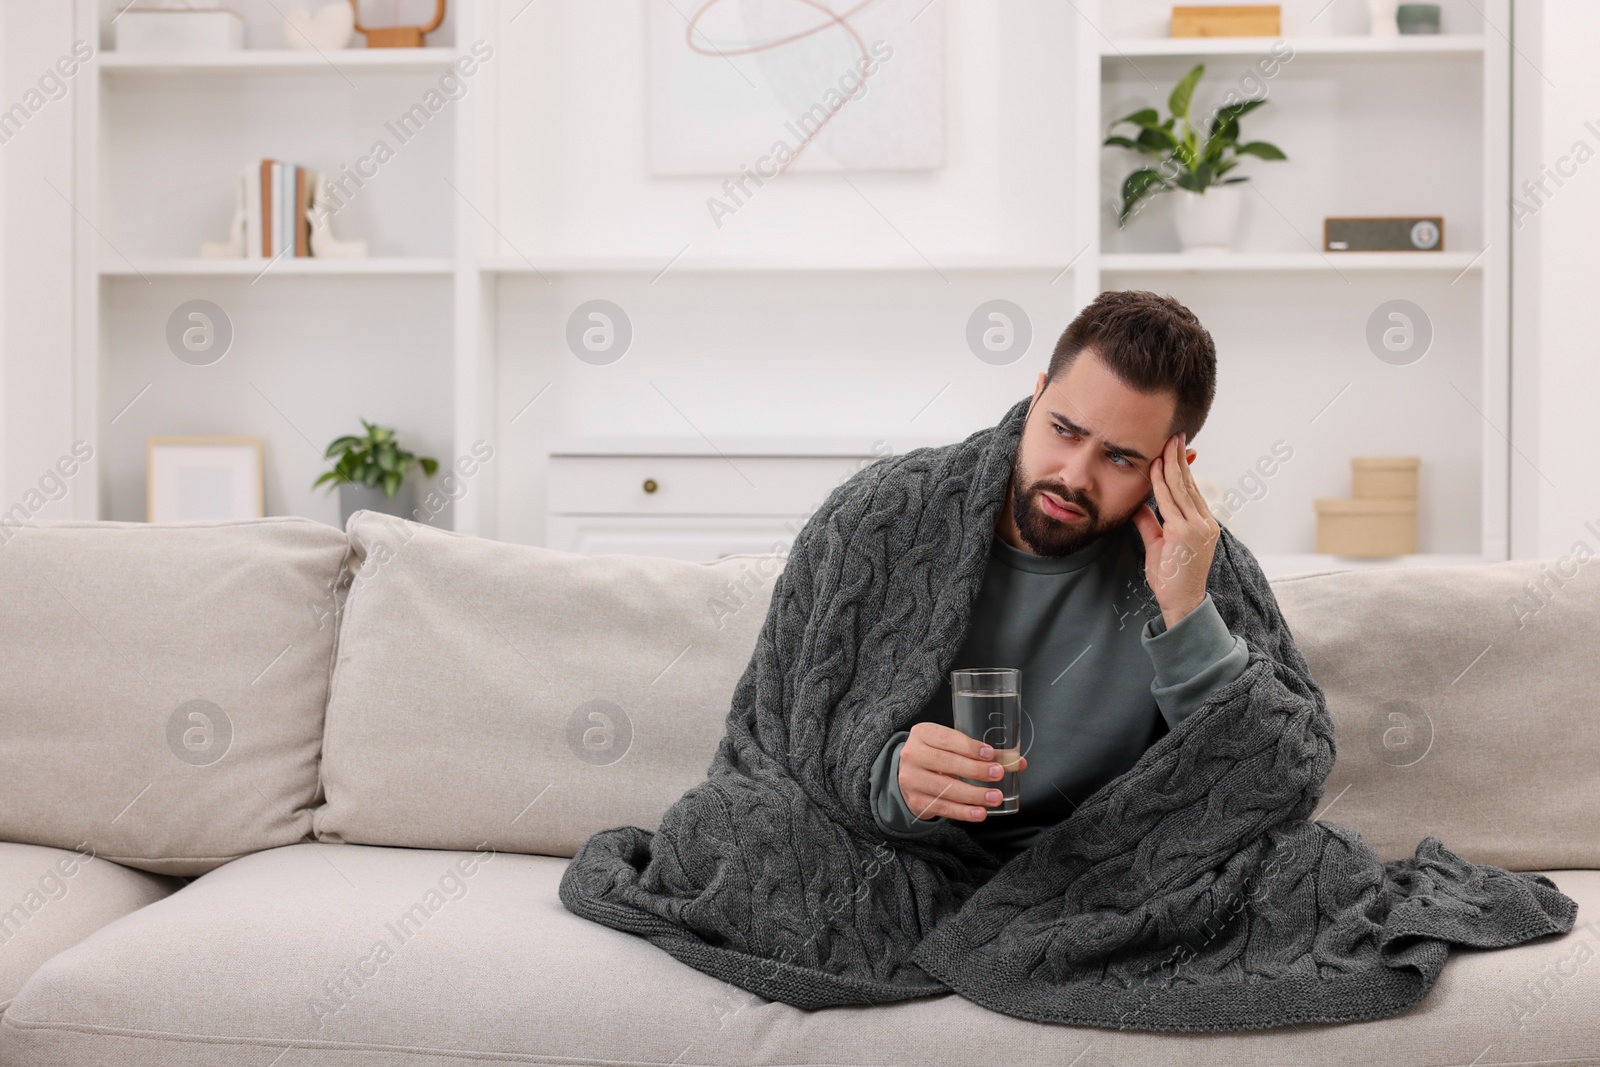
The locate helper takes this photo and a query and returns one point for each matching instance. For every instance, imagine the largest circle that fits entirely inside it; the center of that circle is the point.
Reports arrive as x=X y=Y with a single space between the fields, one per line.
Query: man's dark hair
x=1152 y=344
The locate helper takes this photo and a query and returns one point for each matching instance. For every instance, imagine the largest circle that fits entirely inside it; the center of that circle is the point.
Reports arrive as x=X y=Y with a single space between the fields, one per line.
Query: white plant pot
x=1207 y=221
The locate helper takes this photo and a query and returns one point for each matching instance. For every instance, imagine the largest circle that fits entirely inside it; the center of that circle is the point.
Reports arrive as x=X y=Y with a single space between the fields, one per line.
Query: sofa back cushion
x=1467 y=707
x=162 y=685
x=525 y=697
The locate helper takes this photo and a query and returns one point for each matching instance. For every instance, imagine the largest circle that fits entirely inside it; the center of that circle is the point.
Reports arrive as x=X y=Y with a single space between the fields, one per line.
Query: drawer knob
x=649 y=485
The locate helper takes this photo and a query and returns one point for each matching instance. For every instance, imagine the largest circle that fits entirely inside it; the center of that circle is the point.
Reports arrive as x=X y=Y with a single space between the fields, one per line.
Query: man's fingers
x=950 y=764
x=952 y=800
x=1171 y=480
x=1163 y=493
x=947 y=739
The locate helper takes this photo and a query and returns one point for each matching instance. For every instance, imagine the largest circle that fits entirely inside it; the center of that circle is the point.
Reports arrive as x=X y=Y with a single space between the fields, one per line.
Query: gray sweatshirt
x=1102 y=679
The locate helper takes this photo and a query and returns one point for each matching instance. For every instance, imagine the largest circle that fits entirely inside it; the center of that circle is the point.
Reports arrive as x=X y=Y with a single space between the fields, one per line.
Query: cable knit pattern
x=1192 y=893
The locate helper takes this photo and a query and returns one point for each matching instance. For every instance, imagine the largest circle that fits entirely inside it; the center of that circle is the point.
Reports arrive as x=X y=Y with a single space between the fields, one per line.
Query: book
x=302 y=202
x=280 y=220
x=264 y=173
x=277 y=220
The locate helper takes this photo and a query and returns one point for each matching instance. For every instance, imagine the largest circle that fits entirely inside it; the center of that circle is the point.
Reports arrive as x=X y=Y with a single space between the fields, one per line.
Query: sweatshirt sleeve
x=889 y=809
x=1193 y=658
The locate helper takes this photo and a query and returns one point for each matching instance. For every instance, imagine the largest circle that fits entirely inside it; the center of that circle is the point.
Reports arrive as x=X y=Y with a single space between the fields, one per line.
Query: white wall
x=1555 y=367
x=36 y=402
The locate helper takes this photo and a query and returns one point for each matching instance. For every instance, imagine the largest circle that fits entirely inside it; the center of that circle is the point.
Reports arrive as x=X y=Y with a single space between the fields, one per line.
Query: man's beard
x=1048 y=536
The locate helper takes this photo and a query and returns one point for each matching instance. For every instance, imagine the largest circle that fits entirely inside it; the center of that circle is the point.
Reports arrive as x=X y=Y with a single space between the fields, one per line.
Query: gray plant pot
x=354 y=497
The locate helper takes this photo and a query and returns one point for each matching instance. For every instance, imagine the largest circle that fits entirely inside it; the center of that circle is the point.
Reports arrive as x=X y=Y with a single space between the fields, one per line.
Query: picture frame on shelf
x=207 y=478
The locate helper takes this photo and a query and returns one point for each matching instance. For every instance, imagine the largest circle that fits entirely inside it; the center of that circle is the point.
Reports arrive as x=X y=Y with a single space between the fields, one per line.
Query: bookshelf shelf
x=1461 y=45
x=1451 y=262
x=265 y=60
x=713 y=264
x=287 y=266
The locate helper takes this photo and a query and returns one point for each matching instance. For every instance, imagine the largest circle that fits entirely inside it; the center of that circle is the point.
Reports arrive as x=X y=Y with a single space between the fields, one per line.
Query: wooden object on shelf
x=396 y=36
x=1227 y=20
x=1380 y=519
x=1367 y=527
x=1384 y=477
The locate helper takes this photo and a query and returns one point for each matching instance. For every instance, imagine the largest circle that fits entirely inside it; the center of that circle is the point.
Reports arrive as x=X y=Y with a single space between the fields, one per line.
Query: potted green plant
x=1196 y=167
x=371 y=472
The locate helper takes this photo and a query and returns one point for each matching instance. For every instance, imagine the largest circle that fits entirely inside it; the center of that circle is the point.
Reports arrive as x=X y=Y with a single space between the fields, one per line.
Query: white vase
x=1384 y=21
x=1207 y=221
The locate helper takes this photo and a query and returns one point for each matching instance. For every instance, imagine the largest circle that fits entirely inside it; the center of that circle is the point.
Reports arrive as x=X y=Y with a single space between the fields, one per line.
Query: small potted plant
x=1208 y=205
x=371 y=471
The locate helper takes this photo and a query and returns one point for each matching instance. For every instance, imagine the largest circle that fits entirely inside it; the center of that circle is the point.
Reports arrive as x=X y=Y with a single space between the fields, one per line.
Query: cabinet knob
x=649 y=485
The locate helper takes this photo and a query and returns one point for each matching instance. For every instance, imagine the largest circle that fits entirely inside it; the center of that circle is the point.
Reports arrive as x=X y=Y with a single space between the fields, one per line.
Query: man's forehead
x=1128 y=433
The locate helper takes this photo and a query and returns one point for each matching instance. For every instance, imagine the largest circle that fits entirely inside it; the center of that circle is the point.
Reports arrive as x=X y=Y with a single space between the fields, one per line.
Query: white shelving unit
x=394 y=336
x=1279 y=296
x=506 y=229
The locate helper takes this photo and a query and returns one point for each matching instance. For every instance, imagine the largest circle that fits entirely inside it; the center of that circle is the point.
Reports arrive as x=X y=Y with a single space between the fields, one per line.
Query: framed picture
x=192 y=479
x=749 y=89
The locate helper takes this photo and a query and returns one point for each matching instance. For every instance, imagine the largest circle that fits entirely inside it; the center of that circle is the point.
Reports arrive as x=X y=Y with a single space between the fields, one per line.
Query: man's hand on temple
x=1179 y=547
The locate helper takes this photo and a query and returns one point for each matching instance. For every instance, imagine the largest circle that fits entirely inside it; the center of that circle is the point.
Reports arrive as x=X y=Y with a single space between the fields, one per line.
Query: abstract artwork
x=776 y=86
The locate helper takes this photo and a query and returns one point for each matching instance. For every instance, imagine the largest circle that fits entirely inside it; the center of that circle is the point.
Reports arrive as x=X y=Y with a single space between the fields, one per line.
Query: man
x=1191 y=891
x=1062 y=597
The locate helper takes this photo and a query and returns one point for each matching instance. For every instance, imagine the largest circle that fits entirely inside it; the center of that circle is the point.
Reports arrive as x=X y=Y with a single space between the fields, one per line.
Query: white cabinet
x=686 y=501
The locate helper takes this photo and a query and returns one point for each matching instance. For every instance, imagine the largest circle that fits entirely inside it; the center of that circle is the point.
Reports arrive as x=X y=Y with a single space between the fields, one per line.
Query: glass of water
x=987 y=705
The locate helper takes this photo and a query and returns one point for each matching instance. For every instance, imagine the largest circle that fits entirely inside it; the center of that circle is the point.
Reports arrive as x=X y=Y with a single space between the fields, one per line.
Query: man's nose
x=1076 y=476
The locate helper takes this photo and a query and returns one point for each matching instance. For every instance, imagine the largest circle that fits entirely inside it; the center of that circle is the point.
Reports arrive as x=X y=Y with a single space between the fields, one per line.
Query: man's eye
x=1121 y=461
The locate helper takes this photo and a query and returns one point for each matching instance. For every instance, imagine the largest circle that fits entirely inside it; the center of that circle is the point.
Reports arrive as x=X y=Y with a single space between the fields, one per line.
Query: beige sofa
x=274 y=793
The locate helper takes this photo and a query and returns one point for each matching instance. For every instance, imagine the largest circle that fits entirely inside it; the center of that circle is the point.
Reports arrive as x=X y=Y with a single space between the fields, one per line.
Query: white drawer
x=695 y=485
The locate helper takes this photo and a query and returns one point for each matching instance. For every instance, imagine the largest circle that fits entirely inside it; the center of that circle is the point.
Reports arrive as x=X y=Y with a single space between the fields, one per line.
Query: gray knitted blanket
x=1193 y=893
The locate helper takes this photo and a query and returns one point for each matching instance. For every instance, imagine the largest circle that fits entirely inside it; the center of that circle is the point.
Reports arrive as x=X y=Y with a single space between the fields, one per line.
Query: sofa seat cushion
x=52 y=898
x=351 y=954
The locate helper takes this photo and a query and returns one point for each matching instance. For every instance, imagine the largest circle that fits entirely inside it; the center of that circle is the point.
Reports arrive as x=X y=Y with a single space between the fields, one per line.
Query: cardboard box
x=1227 y=20
x=1367 y=527
x=1384 y=477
